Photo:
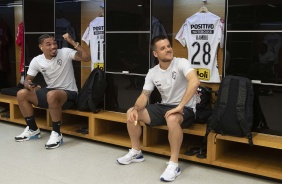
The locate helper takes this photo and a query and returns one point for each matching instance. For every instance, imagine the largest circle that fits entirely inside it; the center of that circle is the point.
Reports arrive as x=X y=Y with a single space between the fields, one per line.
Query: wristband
x=77 y=44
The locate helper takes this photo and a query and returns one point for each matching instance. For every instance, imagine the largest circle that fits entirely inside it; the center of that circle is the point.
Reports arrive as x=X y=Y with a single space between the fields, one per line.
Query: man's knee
x=174 y=120
x=22 y=94
x=56 y=97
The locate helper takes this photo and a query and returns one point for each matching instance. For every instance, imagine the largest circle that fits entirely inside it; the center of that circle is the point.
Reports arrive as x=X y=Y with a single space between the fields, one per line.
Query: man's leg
x=135 y=154
x=175 y=137
x=25 y=99
x=55 y=99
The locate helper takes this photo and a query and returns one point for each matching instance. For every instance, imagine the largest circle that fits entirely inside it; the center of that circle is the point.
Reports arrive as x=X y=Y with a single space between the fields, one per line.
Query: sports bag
x=233 y=110
x=91 y=95
x=203 y=107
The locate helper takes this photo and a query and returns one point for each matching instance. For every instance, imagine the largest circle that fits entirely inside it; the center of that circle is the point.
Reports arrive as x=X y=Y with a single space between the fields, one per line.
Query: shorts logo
x=59 y=62
x=203 y=73
x=173 y=75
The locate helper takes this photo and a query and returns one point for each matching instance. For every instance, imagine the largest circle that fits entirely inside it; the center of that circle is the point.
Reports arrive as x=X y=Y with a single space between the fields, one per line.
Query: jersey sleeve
x=221 y=36
x=149 y=84
x=185 y=66
x=86 y=36
x=33 y=69
x=70 y=51
x=180 y=36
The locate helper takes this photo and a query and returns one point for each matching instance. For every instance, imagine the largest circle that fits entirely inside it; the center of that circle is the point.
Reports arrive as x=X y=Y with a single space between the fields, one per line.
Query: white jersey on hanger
x=94 y=35
x=202 y=33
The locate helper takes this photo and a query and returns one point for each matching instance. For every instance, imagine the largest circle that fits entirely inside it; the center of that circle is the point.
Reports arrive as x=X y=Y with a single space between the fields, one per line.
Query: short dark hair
x=43 y=37
x=156 y=39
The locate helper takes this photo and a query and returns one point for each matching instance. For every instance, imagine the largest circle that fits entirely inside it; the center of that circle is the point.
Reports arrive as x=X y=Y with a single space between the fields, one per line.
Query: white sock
x=135 y=151
x=173 y=163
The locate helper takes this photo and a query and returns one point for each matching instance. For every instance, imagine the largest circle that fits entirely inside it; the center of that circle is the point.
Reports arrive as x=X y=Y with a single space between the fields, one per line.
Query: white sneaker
x=28 y=134
x=171 y=172
x=131 y=156
x=54 y=141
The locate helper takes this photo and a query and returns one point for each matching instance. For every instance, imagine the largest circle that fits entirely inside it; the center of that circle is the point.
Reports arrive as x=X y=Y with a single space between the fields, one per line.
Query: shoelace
x=170 y=168
x=26 y=132
x=53 y=138
x=130 y=154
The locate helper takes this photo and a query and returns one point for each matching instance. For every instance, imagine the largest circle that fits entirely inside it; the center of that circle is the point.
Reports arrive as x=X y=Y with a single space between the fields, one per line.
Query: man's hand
x=174 y=110
x=69 y=39
x=132 y=116
x=31 y=86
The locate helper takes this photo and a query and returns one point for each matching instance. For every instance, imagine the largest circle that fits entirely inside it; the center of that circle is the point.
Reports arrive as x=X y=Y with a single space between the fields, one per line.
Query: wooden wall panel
x=89 y=11
x=18 y=11
x=181 y=11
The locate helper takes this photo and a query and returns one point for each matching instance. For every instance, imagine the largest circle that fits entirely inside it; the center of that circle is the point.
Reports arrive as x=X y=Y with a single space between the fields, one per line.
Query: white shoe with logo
x=171 y=172
x=130 y=157
x=54 y=141
x=28 y=134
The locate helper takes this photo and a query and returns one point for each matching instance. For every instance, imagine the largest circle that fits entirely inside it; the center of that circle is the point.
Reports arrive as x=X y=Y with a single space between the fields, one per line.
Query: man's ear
x=155 y=54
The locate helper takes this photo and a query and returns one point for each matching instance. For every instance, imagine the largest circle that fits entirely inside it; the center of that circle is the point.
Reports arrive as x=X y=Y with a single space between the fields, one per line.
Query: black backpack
x=91 y=96
x=233 y=110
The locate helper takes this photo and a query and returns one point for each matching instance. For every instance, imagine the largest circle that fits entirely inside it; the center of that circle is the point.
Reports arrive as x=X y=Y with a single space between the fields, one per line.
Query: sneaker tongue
x=54 y=133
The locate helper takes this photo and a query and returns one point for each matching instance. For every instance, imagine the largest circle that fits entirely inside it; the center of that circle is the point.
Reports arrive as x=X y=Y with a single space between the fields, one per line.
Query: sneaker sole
x=132 y=161
x=37 y=136
x=167 y=180
x=61 y=142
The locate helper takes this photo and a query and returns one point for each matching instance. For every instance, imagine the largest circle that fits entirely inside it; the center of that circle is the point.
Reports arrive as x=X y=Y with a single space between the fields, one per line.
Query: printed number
x=99 y=53
x=206 y=55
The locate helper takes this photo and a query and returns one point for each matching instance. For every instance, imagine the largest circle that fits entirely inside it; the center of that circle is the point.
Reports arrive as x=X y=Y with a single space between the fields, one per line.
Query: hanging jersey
x=63 y=26
x=202 y=33
x=273 y=42
x=20 y=42
x=157 y=29
x=94 y=36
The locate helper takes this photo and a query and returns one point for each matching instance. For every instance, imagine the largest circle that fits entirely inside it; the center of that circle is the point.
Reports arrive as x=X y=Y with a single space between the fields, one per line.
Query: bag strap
x=240 y=109
x=222 y=104
x=89 y=91
x=223 y=97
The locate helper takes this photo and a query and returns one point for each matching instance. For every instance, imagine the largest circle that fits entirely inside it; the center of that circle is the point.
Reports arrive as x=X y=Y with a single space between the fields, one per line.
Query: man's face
x=49 y=47
x=163 y=51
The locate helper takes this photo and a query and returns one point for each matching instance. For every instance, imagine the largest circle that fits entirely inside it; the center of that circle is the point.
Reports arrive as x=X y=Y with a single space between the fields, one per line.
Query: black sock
x=56 y=127
x=30 y=121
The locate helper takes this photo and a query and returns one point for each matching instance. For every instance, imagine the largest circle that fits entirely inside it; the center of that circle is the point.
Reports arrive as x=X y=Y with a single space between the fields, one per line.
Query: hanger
x=203 y=9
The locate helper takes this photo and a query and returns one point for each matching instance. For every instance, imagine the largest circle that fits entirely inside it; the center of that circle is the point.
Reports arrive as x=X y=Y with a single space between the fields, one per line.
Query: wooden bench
x=109 y=127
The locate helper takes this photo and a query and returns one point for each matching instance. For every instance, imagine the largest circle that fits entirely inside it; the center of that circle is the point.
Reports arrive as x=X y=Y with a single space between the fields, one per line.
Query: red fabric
x=20 y=43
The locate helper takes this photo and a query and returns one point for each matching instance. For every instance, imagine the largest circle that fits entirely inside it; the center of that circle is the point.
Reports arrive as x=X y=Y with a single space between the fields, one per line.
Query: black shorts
x=157 y=113
x=42 y=98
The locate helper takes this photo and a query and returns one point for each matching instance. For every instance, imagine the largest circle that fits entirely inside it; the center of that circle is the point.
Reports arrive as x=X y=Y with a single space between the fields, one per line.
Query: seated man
x=177 y=83
x=61 y=91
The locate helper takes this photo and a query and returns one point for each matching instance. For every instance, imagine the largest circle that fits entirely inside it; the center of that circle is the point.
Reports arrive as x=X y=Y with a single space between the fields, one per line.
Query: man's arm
x=191 y=89
x=142 y=100
x=139 y=105
x=193 y=84
x=81 y=54
x=28 y=81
